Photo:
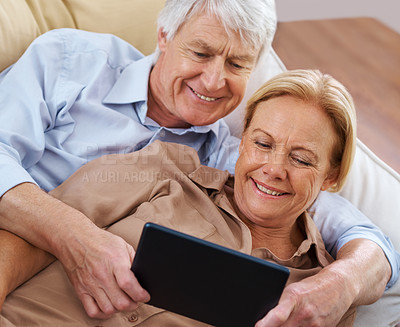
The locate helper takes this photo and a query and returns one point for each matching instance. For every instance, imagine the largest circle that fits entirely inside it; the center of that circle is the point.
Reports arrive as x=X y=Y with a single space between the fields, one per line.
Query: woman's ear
x=162 y=40
x=331 y=179
x=241 y=145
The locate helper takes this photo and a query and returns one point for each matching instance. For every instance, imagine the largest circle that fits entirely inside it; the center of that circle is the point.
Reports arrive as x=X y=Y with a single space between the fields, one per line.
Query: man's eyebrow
x=244 y=58
x=201 y=44
x=209 y=49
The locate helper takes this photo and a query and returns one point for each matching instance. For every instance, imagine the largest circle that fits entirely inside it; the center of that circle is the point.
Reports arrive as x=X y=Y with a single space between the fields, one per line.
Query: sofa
x=373 y=187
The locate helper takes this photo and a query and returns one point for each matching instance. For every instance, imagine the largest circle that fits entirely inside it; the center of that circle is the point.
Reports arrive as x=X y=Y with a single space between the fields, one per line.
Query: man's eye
x=237 y=66
x=200 y=54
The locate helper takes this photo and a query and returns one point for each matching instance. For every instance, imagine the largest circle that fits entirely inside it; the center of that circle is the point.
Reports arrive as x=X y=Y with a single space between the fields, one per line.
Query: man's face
x=201 y=75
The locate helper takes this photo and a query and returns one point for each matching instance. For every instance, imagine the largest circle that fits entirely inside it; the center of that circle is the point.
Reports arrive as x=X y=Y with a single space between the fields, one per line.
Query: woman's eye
x=302 y=162
x=263 y=145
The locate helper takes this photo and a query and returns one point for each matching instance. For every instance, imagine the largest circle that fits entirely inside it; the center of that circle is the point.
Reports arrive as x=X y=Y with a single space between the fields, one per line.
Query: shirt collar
x=213 y=129
x=132 y=84
x=195 y=129
x=209 y=178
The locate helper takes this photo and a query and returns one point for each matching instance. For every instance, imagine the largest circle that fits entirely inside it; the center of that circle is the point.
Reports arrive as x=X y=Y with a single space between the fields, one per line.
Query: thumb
x=278 y=315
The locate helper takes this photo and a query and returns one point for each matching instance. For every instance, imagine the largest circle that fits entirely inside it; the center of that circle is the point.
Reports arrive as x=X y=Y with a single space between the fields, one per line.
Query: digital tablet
x=205 y=281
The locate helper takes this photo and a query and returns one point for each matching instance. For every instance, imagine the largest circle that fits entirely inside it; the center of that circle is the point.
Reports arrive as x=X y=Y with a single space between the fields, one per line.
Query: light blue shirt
x=75 y=96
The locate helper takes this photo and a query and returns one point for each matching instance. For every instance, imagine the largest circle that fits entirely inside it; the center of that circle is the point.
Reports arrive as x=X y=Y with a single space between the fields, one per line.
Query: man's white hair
x=254 y=20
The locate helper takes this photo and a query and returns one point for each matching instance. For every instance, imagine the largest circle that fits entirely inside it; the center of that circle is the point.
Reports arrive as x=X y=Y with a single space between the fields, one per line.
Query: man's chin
x=202 y=120
x=197 y=122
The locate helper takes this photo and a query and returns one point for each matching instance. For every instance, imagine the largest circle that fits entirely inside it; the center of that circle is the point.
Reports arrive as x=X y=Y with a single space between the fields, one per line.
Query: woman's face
x=284 y=161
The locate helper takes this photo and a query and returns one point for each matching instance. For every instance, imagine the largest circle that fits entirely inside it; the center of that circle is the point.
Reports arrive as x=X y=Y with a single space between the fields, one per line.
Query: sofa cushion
x=17 y=29
x=135 y=21
x=21 y=21
x=373 y=188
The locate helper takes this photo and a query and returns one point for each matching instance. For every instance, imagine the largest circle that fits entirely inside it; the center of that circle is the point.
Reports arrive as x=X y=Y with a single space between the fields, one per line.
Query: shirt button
x=133 y=317
x=139 y=146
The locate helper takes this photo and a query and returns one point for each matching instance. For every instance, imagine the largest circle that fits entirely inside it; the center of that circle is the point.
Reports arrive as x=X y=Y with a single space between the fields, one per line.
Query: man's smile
x=203 y=97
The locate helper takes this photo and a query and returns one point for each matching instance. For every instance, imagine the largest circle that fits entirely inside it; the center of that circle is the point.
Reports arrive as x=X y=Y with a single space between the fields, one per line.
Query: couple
x=299 y=138
x=86 y=95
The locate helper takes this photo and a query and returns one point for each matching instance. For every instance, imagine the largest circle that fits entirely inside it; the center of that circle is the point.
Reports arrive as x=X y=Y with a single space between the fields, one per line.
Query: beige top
x=165 y=184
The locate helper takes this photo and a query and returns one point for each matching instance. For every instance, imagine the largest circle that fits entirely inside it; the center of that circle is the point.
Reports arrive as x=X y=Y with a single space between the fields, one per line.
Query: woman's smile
x=268 y=190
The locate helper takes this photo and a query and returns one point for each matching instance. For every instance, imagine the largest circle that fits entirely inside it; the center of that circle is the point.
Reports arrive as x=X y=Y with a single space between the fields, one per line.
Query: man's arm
x=358 y=276
x=340 y=222
x=19 y=261
x=97 y=262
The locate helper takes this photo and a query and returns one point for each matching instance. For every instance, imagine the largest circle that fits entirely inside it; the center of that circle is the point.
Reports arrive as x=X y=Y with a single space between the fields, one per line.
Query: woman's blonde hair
x=325 y=92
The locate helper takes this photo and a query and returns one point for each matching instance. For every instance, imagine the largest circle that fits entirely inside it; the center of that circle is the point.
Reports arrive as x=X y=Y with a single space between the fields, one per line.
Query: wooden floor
x=364 y=55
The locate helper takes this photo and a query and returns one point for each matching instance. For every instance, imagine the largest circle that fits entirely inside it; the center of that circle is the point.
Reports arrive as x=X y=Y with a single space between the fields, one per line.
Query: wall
x=387 y=11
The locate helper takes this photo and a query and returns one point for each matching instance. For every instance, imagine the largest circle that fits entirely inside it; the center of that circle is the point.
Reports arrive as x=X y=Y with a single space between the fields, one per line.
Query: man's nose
x=214 y=75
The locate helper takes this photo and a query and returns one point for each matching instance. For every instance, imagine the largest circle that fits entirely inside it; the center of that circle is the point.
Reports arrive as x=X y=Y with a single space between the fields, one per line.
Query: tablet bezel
x=205 y=281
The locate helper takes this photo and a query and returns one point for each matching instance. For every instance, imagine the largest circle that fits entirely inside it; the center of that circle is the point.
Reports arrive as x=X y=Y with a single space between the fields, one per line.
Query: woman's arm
x=19 y=261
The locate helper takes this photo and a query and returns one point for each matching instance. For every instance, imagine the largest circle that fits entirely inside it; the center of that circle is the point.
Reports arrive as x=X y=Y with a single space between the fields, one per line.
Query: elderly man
x=85 y=95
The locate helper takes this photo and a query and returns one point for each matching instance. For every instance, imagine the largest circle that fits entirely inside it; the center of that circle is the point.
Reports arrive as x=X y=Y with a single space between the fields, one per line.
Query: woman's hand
x=314 y=301
x=357 y=277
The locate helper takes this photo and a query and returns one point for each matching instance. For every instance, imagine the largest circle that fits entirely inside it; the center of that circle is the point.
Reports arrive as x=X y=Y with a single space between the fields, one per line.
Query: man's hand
x=97 y=262
x=3 y=294
x=101 y=275
x=357 y=277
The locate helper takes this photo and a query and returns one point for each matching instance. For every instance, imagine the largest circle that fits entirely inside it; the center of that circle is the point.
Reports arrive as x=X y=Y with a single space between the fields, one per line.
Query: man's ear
x=162 y=40
x=331 y=179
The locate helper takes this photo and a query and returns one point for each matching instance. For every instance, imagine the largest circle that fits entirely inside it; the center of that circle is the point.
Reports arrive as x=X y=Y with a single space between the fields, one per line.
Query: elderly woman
x=298 y=139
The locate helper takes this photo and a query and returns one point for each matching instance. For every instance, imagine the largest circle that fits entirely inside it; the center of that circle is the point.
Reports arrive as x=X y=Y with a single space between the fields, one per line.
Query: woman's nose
x=275 y=166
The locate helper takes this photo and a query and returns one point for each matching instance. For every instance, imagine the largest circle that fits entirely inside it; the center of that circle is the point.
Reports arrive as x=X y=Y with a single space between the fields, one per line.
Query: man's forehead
x=204 y=28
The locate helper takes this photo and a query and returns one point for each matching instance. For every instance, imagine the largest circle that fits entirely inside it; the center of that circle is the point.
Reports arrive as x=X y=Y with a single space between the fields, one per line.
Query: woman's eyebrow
x=259 y=130
x=309 y=149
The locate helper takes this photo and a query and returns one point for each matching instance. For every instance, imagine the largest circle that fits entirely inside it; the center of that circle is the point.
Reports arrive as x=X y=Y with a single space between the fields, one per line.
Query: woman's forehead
x=288 y=119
